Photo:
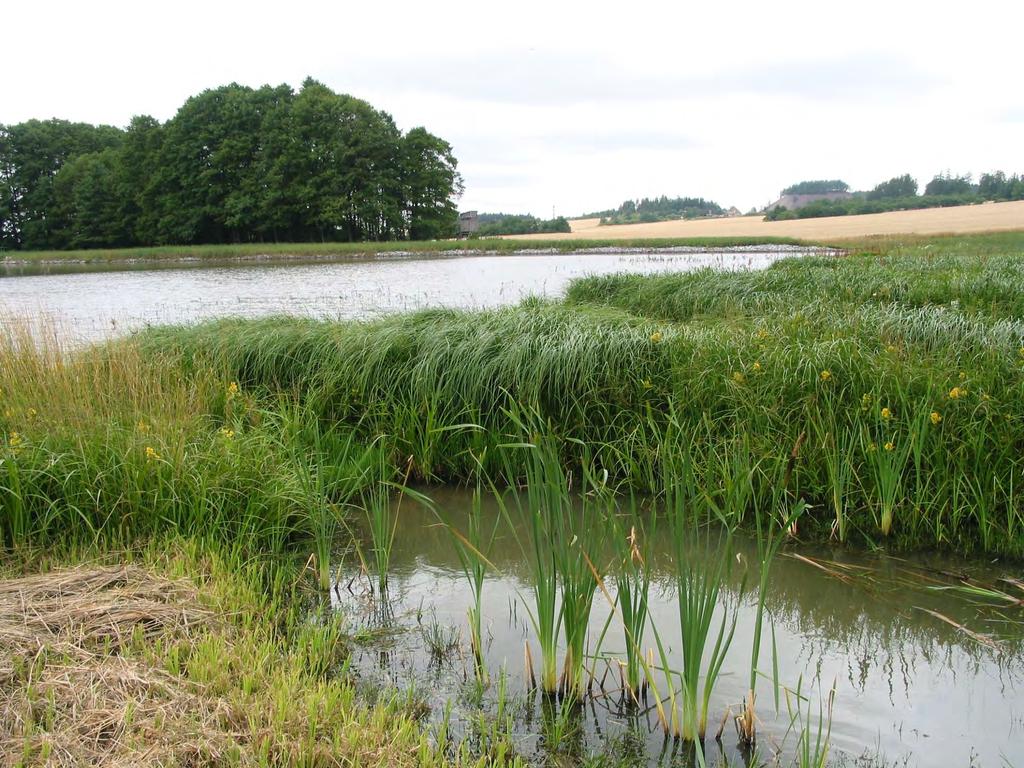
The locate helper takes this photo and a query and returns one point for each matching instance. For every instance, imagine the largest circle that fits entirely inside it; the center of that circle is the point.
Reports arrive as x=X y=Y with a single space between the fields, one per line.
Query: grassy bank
x=887 y=386
x=366 y=249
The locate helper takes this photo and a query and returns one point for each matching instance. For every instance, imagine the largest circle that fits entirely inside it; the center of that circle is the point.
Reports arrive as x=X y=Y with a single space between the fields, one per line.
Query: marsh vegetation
x=649 y=441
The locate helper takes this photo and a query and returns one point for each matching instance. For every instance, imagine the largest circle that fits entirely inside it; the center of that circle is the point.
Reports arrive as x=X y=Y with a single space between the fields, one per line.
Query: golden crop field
x=987 y=217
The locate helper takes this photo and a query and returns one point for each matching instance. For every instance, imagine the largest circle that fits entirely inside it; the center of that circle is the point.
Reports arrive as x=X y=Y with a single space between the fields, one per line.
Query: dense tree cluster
x=235 y=164
x=519 y=224
x=898 y=186
x=900 y=194
x=650 y=209
x=817 y=187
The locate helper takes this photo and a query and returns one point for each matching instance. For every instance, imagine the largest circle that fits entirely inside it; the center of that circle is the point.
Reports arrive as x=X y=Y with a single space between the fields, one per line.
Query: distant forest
x=900 y=193
x=492 y=224
x=662 y=208
x=235 y=164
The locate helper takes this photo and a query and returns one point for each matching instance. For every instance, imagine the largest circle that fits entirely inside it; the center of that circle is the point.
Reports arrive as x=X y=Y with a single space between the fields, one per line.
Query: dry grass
x=71 y=695
x=122 y=666
x=989 y=217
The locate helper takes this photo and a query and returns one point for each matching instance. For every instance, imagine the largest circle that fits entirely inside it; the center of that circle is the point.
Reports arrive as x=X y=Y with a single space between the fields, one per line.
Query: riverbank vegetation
x=872 y=399
x=327 y=251
x=235 y=164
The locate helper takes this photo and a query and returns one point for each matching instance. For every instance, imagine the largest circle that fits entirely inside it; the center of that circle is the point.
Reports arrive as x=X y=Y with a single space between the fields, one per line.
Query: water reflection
x=909 y=684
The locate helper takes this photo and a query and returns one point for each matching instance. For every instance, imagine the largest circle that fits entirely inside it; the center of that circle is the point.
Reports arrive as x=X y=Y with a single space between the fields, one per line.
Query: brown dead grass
x=988 y=217
x=71 y=696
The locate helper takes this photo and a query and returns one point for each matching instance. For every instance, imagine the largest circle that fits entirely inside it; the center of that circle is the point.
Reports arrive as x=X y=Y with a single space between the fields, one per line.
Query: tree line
x=235 y=164
x=492 y=224
x=901 y=193
x=664 y=208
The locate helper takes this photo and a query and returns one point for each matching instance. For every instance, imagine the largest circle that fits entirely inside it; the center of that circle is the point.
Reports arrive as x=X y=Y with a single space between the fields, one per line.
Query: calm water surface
x=911 y=689
x=94 y=302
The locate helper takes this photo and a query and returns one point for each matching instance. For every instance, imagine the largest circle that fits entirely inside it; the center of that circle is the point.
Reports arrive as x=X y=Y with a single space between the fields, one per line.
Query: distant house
x=793 y=202
x=469 y=222
x=734 y=211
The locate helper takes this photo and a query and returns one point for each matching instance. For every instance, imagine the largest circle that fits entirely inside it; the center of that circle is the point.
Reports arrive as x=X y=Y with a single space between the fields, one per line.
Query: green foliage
x=898 y=186
x=948 y=184
x=661 y=209
x=816 y=346
x=816 y=187
x=235 y=164
x=519 y=224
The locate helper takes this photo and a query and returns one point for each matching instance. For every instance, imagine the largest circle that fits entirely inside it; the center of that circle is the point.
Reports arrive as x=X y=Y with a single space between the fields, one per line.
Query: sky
x=565 y=107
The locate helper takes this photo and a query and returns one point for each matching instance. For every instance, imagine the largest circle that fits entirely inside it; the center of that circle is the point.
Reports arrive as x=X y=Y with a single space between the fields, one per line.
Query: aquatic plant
x=473 y=546
x=701 y=563
x=632 y=536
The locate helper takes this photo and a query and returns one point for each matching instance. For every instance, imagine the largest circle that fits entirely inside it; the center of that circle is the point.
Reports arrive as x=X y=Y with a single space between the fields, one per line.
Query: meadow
x=874 y=399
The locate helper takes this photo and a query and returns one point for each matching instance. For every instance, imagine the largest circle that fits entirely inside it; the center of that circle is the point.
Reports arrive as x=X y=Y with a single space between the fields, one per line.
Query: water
x=92 y=302
x=911 y=689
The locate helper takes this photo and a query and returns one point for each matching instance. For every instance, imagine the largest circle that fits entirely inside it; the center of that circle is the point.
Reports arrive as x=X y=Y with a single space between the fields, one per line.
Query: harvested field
x=989 y=217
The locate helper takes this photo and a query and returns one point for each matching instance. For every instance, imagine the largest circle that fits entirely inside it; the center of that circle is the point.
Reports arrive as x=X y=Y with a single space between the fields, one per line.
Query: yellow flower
x=151 y=455
x=7 y=413
x=756 y=367
x=957 y=392
x=865 y=401
x=232 y=389
x=762 y=334
x=936 y=417
x=227 y=433
x=889 y=446
x=142 y=426
x=826 y=375
x=963 y=376
x=738 y=377
x=872 y=447
x=656 y=337
x=32 y=413
x=14 y=440
x=886 y=414
x=891 y=349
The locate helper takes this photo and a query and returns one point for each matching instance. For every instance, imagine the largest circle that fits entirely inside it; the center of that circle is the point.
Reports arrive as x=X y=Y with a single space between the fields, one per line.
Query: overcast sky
x=574 y=107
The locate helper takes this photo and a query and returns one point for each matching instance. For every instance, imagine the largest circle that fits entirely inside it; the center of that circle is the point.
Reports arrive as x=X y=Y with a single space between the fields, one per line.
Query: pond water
x=90 y=302
x=911 y=687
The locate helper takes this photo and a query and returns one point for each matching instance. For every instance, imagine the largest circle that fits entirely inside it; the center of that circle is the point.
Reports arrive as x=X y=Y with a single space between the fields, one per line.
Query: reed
x=701 y=565
x=632 y=535
x=473 y=546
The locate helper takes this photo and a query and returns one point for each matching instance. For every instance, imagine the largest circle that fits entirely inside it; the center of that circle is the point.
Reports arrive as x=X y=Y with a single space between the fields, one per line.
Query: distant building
x=793 y=202
x=734 y=211
x=469 y=222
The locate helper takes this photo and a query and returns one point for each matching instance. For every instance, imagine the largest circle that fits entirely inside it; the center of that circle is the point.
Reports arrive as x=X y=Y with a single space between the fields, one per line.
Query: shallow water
x=911 y=689
x=91 y=302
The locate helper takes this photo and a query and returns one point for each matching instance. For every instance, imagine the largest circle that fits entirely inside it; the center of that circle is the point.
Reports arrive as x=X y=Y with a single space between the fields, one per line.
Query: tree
x=233 y=164
x=429 y=182
x=817 y=187
x=898 y=186
x=947 y=184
